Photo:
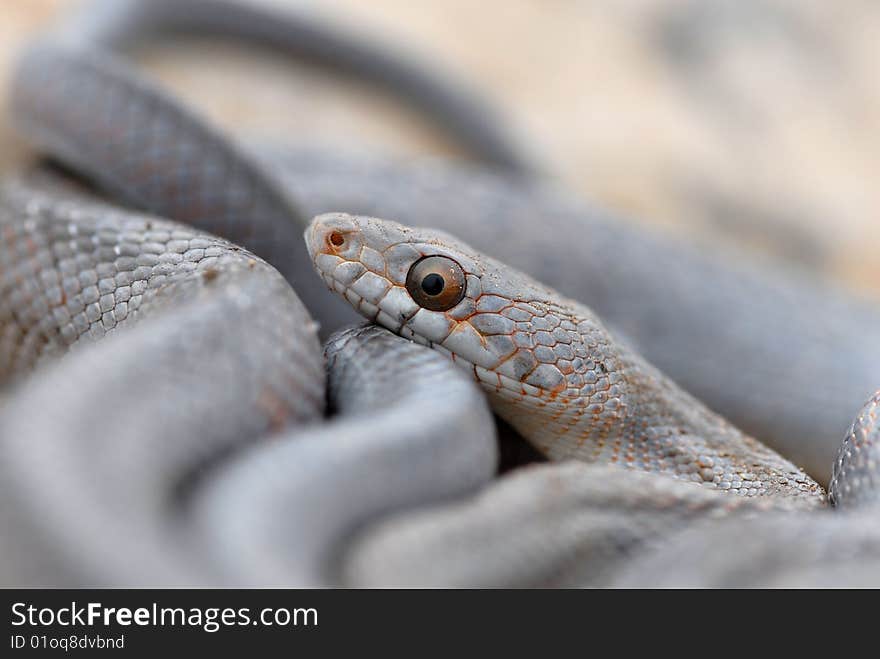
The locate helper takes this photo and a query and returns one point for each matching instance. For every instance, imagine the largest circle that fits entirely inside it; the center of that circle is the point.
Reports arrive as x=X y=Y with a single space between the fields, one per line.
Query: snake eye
x=436 y=283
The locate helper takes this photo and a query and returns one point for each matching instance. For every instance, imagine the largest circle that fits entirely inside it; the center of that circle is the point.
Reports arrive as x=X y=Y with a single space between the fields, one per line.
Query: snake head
x=418 y=283
x=513 y=333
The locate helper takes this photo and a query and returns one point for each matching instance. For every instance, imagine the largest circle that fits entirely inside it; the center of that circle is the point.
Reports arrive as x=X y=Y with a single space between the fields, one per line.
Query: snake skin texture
x=74 y=272
x=547 y=364
x=283 y=513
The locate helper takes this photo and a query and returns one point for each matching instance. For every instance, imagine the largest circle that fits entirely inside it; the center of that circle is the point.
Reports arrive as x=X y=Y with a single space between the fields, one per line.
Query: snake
x=216 y=485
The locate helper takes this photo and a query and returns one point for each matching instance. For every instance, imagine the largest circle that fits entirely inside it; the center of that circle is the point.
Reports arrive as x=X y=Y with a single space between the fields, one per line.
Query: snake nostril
x=336 y=238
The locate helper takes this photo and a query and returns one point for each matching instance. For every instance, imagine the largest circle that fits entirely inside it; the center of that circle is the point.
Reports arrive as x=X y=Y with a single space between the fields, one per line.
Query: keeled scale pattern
x=70 y=273
x=73 y=270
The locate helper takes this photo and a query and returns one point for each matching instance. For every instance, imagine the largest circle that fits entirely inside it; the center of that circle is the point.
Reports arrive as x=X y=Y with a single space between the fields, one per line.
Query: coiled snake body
x=144 y=448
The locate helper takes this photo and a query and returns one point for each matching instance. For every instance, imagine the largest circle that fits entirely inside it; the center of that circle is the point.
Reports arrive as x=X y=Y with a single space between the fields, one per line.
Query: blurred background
x=750 y=121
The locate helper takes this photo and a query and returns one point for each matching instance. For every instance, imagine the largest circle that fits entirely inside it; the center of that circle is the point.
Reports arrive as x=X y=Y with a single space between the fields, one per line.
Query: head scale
x=430 y=287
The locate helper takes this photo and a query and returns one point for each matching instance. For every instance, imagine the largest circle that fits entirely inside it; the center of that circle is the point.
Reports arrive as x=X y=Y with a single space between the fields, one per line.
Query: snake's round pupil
x=433 y=284
x=436 y=283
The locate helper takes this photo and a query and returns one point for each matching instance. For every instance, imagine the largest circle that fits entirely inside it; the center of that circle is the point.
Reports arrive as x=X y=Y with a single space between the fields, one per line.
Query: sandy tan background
x=755 y=121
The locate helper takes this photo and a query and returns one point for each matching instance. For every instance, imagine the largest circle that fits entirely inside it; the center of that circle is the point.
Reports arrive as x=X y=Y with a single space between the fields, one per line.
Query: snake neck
x=589 y=397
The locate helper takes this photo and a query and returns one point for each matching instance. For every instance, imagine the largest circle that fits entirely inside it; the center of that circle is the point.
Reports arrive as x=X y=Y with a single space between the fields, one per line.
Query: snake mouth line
x=367 y=309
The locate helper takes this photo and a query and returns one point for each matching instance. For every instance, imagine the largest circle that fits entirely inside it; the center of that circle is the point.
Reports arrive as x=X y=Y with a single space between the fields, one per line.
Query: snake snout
x=331 y=233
